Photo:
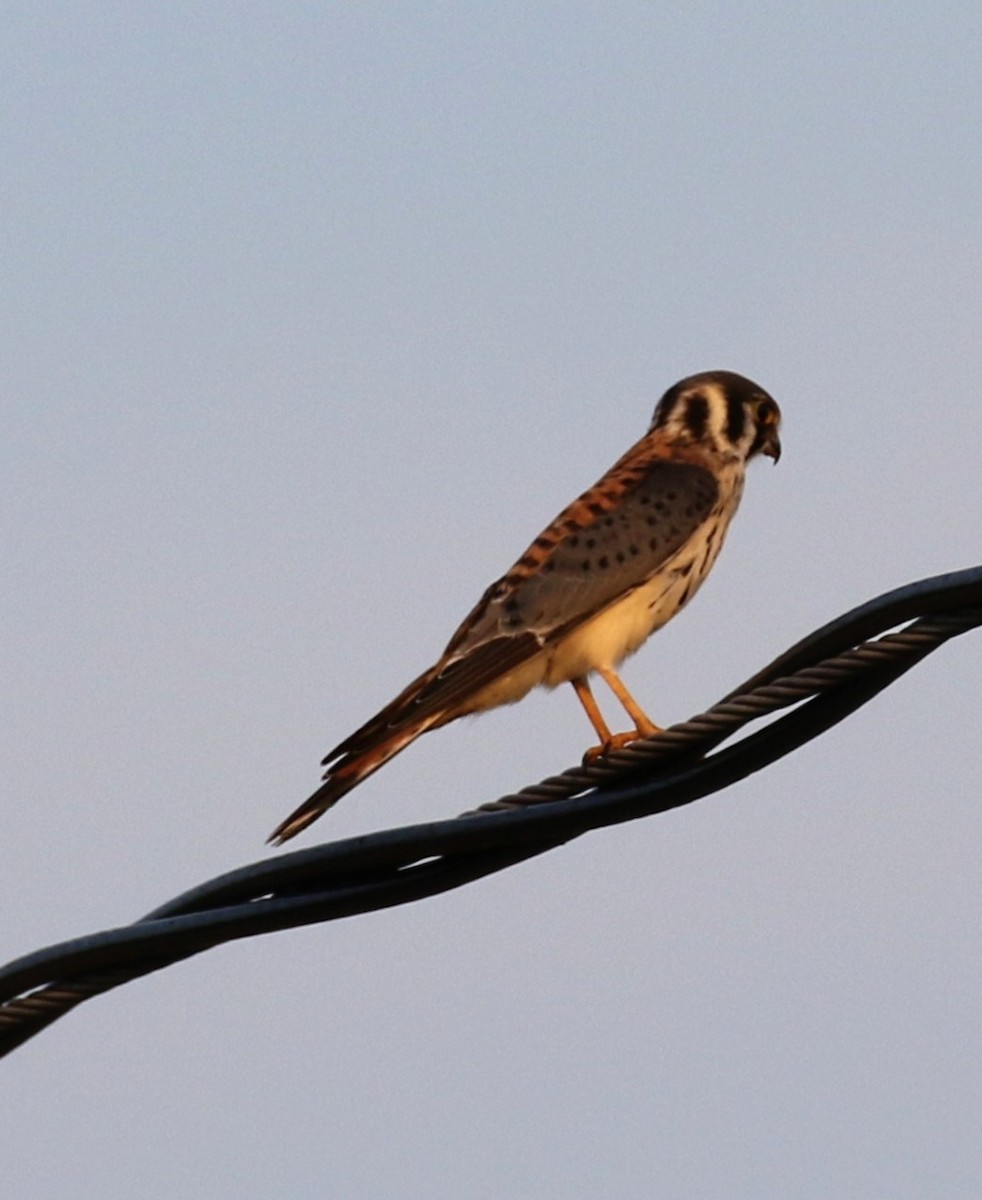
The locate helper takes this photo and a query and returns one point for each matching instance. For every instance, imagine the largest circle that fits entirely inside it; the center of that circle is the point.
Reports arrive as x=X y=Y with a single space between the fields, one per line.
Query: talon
x=617 y=741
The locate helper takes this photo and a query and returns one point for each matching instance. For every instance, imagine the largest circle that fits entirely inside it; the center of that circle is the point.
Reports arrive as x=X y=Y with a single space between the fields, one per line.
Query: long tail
x=368 y=748
x=346 y=773
x=440 y=695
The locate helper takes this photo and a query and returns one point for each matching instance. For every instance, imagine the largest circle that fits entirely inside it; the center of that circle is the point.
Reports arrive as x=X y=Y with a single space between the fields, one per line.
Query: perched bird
x=612 y=568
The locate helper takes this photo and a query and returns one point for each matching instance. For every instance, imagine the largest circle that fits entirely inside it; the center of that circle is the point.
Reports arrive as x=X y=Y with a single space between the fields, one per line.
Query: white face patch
x=700 y=415
x=718 y=417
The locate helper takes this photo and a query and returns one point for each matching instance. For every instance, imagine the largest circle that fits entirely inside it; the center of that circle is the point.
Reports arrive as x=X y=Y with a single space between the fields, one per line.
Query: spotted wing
x=601 y=548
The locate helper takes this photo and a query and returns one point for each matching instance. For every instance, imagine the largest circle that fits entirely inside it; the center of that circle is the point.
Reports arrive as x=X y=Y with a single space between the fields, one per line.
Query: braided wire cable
x=699 y=734
x=821 y=680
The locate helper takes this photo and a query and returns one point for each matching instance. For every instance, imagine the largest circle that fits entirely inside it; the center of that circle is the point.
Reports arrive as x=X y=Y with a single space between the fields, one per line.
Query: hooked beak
x=771 y=445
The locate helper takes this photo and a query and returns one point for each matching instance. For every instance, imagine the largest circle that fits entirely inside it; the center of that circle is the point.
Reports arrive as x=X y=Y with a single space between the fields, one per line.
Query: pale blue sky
x=313 y=315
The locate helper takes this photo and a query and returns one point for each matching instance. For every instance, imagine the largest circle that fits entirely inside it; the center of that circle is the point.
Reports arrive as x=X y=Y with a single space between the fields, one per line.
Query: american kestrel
x=612 y=568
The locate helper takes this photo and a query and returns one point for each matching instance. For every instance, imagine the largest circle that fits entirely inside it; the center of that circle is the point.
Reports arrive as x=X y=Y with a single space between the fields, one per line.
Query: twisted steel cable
x=821 y=679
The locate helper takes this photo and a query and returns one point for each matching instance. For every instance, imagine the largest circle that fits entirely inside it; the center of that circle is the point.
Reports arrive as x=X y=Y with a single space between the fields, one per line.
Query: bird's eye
x=767 y=412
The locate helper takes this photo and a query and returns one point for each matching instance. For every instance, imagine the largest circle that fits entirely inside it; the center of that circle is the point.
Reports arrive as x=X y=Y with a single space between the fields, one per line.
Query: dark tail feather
x=326 y=796
x=346 y=774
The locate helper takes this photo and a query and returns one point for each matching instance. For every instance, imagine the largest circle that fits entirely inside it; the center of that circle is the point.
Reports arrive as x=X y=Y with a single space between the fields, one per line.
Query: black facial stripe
x=666 y=406
x=697 y=416
x=736 y=418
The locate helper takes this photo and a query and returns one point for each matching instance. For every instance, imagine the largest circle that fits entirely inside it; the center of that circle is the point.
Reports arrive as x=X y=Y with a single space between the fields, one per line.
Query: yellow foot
x=615 y=742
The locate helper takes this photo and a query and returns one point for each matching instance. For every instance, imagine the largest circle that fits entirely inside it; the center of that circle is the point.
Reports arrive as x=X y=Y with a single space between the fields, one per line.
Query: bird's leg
x=592 y=710
x=644 y=726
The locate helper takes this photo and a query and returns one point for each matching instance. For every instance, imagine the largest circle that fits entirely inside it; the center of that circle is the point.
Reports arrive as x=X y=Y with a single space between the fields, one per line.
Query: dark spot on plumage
x=574 y=540
x=550 y=565
x=596 y=508
x=590 y=543
x=545 y=541
x=609 y=521
x=585 y=565
x=735 y=418
x=619 y=556
x=652 y=521
x=633 y=550
x=603 y=562
x=697 y=416
x=652 y=543
x=660 y=506
x=671 y=496
x=673 y=531
x=511 y=605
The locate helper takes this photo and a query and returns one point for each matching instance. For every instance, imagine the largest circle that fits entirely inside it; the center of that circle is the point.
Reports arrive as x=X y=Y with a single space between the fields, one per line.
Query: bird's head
x=721 y=412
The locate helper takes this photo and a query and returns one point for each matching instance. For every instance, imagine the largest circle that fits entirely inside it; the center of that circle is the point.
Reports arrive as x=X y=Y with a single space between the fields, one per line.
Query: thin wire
x=821 y=680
